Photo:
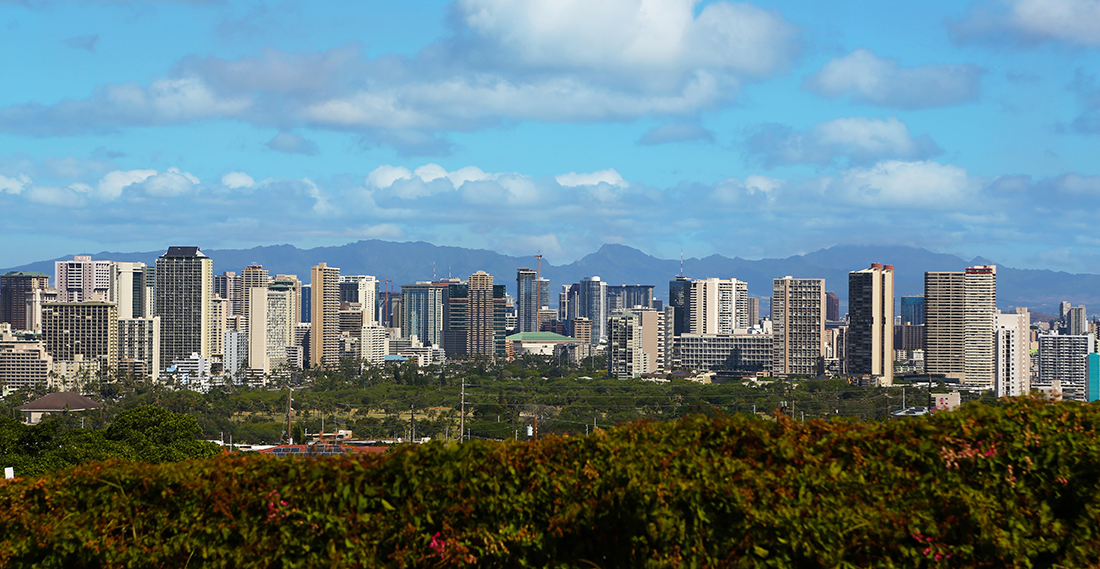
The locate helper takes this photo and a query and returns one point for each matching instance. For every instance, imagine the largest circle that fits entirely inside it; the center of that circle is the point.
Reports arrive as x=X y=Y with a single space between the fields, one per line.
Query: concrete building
x=14 y=287
x=219 y=323
x=139 y=346
x=724 y=352
x=256 y=309
x=627 y=297
x=422 y=312
x=1064 y=359
x=281 y=318
x=483 y=337
x=324 y=341
x=1012 y=364
x=582 y=330
x=33 y=311
x=374 y=344
x=798 y=324
x=236 y=351
x=959 y=324
x=870 y=338
x=832 y=307
x=131 y=290
x=528 y=300
x=252 y=278
x=1076 y=321
x=291 y=283
x=592 y=304
x=23 y=364
x=361 y=289
x=184 y=277
x=474 y=317
x=625 y=356
x=85 y=329
x=754 y=311
x=83 y=279
x=230 y=286
x=718 y=306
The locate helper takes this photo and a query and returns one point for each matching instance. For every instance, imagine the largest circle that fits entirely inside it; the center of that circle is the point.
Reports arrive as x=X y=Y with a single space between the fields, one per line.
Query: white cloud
x=55 y=196
x=883 y=82
x=892 y=183
x=112 y=184
x=292 y=144
x=1076 y=22
x=384 y=176
x=859 y=139
x=14 y=185
x=170 y=183
x=468 y=174
x=429 y=172
x=608 y=176
x=234 y=180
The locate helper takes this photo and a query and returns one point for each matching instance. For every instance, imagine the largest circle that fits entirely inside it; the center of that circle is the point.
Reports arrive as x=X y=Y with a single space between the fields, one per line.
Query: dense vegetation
x=145 y=433
x=1016 y=485
x=502 y=400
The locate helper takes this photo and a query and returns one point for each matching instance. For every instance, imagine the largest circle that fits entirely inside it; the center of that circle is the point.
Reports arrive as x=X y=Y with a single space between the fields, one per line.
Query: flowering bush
x=1016 y=485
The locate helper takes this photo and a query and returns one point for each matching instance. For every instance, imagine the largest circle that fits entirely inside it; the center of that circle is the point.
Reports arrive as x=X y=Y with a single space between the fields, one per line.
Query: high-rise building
x=528 y=297
x=832 y=307
x=959 y=324
x=1012 y=364
x=230 y=286
x=422 y=312
x=483 y=335
x=82 y=330
x=798 y=325
x=253 y=277
x=281 y=318
x=679 y=298
x=219 y=322
x=83 y=279
x=592 y=304
x=625 y=357
x=324 y=341
x=256 y=310
x=718 y=306
x=362 y=289
x=184 y=278
x=870 y=349
x=14 y=287
x=139 y=346
x=1065 y=359
x=474 y=316
x=307 y=304
x=1076 y=321
x=236 y=351
x=912 y=310
x=754 y=311
x=626 y=297
x=131 y=290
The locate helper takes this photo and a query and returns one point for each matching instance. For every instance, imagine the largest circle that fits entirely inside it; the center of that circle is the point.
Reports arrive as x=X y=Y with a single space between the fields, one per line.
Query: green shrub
x=1007 y=486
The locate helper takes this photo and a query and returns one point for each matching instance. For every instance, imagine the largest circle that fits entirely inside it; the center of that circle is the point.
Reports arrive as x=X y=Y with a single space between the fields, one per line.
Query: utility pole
x=289 y=398
x=412 y=423
x=462 y=418
x=536 y=427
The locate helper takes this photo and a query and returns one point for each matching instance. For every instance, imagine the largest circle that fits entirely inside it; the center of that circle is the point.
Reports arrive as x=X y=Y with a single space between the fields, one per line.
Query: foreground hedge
x=1013 y=486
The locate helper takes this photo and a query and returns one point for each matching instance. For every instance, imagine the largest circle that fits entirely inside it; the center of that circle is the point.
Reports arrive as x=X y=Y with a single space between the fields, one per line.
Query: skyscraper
x=482 y=334
x=679 y=298
x=324 y=340
x=362 y=289
x=832 y=307
x=184 y=288
x=718 y=306
x=131 y=290
x=422 y=312
x=253 y=277
x=959 y=324
x=870 y=349
x=230 y=286
x=528 y=300
x=1012 y=365
x=88 y=330
x=912 y=310
x=798 y=325
x=14 y=287
x=592 y=304
x=83 y=279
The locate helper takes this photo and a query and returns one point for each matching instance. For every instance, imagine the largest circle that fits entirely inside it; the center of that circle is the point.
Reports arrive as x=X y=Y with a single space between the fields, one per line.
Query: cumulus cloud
x=895 y=183
x=14 y=185
x=1027 y=22
x=608 y=176
x=234 y=180
x=859 y=140
x=111 y=186
x=172 y=182
x=292 y=144
x=677 y=131
x=385 y=175
x=504 y=63
x=56 y=196
x=868 y=78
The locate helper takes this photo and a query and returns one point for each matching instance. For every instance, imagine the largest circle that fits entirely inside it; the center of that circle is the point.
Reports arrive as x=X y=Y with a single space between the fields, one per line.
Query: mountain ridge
x=406 y=262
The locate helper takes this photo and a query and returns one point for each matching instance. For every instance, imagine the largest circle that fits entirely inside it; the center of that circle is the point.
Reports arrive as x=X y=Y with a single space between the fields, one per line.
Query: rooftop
x=185 y=252
x=60 y=401
x=26 y=274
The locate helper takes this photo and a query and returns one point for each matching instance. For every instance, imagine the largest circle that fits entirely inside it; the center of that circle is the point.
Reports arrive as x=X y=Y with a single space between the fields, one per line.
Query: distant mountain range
x=403 y=263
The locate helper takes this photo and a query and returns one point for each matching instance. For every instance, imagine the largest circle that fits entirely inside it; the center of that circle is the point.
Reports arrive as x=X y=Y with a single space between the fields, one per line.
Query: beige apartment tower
x=324 y=334
x=798 y=325
x=719 y=306
x=960 y=310
x=480 y=322
x=871 y=323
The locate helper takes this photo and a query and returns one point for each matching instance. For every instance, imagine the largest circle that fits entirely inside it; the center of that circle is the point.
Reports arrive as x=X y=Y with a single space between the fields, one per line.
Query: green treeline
x=1012 y=485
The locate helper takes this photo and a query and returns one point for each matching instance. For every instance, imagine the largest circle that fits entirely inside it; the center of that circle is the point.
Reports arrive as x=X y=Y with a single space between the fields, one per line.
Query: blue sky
x=745 y=129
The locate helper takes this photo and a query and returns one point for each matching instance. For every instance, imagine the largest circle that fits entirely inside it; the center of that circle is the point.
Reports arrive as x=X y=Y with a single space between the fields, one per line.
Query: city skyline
x=965 y=129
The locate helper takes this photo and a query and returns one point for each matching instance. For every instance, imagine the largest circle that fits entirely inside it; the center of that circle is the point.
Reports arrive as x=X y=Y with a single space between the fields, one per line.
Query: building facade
x=870 y=349
x=83 y=279
x=85 y=331
x=184 y=277
x=14 y=287
x=798 y=325
x=324 y=340
x=1012 y=363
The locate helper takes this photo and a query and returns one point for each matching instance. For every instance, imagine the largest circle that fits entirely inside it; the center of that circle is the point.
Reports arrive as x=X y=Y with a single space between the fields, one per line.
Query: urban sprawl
x=178 y=321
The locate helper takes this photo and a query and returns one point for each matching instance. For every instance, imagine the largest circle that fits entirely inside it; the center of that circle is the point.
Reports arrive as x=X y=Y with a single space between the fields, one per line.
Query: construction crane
x=538 y=283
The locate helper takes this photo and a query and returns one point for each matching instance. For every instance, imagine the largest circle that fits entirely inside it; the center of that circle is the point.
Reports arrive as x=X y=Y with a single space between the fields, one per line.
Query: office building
x=324 y=341
x=912 y=310
x=14 y=287
x=83 y=279
x=363 y=290
x=1064 y=359
x=798 y=325
x=1012 y=364
x=832 y=307
x=82 y=331
x=528 y=300
x=475 y=317
x=679 y=298
x=184 y=277
x=422 y=312
x=626 y=297
x=592 y=304
x=139 y=346
x=307 y=304
x=870 y=338
x=230 y=286
x=582 y=330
